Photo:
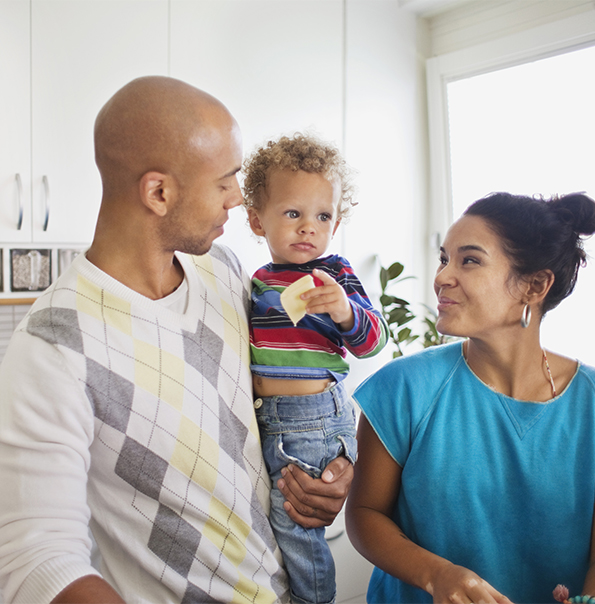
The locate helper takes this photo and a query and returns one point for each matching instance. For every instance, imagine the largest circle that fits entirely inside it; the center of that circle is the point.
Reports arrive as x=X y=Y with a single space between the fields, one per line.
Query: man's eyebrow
x=231 y=173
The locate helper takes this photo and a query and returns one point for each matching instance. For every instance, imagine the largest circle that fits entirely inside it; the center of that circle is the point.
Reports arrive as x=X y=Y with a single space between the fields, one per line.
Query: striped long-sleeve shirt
x=316 y=347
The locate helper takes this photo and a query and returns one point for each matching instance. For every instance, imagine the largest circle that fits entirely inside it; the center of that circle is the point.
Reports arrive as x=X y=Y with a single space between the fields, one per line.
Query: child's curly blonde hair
x=301 y=152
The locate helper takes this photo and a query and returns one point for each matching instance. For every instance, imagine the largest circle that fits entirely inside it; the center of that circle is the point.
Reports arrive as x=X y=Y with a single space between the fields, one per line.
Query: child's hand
x=329 y=298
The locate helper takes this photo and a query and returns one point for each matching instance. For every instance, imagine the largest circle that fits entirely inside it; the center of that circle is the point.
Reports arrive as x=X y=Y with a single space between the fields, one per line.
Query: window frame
x=565 y=35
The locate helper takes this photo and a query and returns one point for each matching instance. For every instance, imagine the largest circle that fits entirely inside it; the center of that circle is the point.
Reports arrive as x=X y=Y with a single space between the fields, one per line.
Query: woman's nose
x=444 y=276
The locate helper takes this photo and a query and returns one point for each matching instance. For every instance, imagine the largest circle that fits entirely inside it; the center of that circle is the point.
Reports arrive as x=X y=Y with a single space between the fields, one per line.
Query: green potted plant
x=398 y=313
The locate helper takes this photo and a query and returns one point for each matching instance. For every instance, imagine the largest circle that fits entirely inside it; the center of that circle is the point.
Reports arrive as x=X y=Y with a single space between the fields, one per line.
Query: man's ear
x=156 y=192
x=255 y=223
x=538 y=286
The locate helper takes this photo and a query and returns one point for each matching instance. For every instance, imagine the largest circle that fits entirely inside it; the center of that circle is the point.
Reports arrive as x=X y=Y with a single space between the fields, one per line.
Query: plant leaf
x=383 y=278
x=394 y=270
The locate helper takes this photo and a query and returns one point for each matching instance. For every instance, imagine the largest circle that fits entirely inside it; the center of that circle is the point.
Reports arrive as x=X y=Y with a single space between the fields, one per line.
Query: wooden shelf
x=14 y=301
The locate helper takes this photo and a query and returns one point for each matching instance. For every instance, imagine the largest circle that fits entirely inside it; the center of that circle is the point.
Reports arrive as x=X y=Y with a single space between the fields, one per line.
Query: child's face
x=298 y=217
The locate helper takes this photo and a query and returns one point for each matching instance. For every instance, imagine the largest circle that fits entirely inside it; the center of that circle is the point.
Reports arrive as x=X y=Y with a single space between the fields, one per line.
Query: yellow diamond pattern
x=196 y=455
x=160 y=373
x=103 y=306
x=229 y=533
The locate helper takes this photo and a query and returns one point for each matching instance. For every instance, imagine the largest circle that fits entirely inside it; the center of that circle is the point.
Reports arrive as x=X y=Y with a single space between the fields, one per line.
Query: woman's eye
x=443 y=260
x=469 y=260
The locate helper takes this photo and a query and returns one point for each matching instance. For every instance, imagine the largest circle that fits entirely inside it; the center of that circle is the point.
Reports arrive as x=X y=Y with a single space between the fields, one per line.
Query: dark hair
x=541 y=234
x=299 y=152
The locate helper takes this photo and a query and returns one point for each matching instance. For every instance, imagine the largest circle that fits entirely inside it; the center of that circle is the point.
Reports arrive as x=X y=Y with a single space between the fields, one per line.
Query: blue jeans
x=309 y=432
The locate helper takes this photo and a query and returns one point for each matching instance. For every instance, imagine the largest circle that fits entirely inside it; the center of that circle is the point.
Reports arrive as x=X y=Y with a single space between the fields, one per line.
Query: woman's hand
x=315 y=502
x=454 y=584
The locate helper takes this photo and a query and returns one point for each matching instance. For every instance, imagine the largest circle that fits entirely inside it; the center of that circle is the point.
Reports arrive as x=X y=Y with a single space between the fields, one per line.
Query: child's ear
x=255 y=223
x=336 y=226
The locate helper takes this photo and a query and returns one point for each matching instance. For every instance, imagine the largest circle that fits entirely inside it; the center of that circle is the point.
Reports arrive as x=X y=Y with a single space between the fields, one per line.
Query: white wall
x=386 y=141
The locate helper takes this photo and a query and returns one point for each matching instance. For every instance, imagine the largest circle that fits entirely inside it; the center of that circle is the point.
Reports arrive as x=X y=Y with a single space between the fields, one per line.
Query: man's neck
x=152 y=275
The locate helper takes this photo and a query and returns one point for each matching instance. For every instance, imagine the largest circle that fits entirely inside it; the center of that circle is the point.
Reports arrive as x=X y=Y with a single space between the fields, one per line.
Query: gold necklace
x=547 y=366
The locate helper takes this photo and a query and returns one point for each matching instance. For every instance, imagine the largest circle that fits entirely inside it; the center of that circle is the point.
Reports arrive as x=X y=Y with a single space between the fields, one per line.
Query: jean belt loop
x=336 y=397
x=274 y=408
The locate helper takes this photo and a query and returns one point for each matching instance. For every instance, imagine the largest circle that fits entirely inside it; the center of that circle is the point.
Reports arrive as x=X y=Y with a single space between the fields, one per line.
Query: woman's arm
x=589 y=585
x=374 y=493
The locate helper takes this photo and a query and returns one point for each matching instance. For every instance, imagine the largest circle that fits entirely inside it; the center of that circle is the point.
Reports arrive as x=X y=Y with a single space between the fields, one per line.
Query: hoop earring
x=526 y=316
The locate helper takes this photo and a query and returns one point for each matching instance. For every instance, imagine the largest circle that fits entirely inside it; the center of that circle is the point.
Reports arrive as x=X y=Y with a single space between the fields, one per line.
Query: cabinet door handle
x=19 y=184
x=46 y=188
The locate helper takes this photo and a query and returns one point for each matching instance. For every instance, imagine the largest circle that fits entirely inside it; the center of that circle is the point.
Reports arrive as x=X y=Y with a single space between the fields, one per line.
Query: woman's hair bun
x=541 y=234
x=576 y=210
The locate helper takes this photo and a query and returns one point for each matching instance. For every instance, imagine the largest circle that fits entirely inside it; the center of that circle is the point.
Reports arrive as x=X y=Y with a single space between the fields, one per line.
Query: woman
x=476 y=474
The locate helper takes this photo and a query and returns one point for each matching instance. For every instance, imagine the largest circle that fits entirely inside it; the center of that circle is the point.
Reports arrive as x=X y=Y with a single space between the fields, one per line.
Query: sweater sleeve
x=370 y=332
x=46 y=428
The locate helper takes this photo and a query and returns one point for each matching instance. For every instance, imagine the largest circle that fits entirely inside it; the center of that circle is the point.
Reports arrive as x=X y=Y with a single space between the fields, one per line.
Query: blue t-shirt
x=503 y=487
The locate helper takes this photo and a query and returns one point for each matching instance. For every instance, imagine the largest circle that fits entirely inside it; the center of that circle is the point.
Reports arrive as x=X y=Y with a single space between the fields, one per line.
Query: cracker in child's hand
x=294 y=306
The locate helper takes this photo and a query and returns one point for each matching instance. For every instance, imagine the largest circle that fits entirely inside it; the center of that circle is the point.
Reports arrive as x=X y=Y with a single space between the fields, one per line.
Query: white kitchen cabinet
x=60 y=61
x=15 y=121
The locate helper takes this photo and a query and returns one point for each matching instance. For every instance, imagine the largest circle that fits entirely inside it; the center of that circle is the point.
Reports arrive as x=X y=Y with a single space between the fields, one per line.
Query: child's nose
x=307 y=227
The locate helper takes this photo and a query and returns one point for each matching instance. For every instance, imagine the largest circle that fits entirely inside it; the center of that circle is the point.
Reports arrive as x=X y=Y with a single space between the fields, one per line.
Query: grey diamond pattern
x=203 y=350
x=110 y=394
x=233 y=433
x=57 y=326
x=195 y=595
x=141 y=468
x=174 y=541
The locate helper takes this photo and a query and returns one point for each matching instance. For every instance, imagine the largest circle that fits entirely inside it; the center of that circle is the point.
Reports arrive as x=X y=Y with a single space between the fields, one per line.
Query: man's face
x=208 y=191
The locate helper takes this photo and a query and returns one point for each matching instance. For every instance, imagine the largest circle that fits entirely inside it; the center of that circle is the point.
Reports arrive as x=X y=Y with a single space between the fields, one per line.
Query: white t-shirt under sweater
x=120 y=414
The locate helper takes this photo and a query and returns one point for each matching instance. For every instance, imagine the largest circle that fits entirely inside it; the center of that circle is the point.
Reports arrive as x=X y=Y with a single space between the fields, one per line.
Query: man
x=125 y=395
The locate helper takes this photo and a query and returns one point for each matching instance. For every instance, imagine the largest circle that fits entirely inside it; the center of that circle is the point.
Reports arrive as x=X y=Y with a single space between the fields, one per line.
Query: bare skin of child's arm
x=374 y=492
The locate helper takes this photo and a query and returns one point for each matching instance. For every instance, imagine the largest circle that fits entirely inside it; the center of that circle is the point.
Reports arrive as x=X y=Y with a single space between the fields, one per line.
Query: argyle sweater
x=118 y=412
x=315 y=347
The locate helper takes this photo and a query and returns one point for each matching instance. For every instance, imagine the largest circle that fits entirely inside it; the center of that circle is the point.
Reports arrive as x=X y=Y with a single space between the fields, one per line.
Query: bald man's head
x=154 y=124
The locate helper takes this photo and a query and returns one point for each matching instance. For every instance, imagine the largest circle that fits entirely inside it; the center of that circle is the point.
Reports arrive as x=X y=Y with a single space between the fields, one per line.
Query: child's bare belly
x=264 y=386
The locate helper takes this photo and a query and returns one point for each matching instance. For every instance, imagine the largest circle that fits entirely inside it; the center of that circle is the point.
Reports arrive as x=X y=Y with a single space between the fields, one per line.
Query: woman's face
x=474 y=283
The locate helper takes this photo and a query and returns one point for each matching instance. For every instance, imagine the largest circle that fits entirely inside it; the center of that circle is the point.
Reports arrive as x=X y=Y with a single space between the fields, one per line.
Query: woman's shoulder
x=434 y=360
x=567 y=371
x=588 y=371
x=422 y=372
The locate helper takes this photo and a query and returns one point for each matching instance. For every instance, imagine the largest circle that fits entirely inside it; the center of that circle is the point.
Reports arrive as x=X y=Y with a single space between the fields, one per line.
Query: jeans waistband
x=331 y=401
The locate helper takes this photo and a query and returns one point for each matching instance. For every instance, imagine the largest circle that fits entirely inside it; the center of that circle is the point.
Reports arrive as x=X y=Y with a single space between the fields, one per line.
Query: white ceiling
x=428 y=8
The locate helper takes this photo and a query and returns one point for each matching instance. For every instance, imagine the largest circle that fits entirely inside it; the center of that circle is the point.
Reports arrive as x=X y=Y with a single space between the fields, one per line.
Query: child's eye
x=292 y=214
x=325 y=217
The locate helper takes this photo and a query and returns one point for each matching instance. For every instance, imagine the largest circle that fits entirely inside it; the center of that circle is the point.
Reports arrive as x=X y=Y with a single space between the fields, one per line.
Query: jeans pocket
x=306 y=450
x=348 y=446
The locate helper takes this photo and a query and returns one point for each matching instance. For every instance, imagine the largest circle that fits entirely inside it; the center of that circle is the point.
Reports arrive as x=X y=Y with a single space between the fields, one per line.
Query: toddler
x=297 y=191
